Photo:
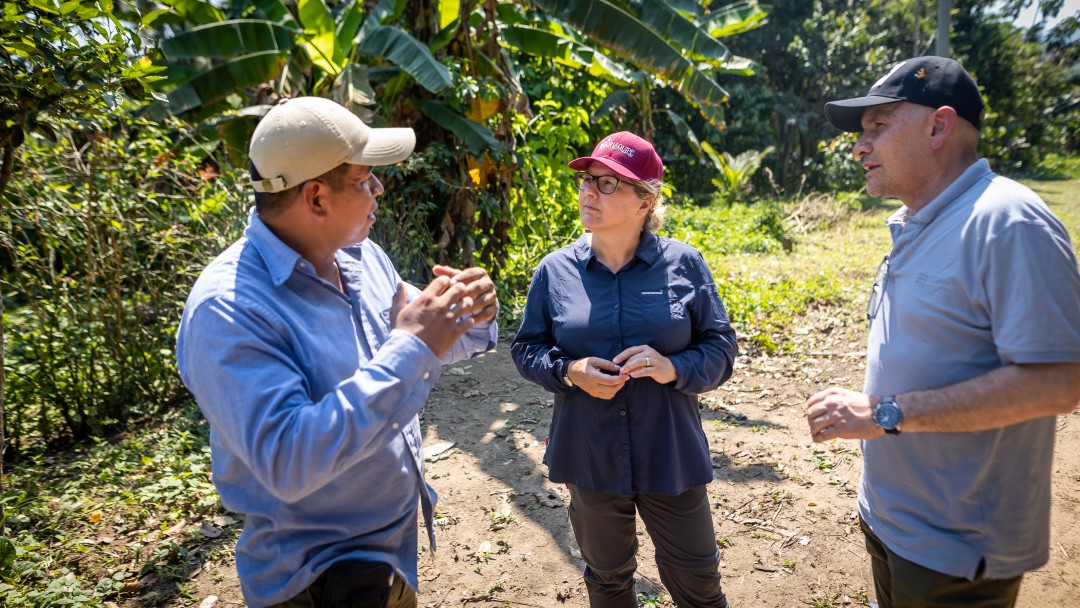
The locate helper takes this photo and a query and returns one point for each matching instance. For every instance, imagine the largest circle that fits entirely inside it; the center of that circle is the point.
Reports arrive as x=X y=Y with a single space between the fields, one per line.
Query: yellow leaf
x=95 y=517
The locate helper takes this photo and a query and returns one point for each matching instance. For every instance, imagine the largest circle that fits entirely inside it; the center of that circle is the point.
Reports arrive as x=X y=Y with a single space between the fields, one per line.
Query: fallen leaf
x=95 y=517
x=209 y=530
x=432 y=452
x=208 y=602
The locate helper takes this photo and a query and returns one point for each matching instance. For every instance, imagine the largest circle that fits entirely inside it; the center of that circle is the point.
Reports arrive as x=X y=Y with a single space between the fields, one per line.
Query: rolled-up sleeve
x=239 y=367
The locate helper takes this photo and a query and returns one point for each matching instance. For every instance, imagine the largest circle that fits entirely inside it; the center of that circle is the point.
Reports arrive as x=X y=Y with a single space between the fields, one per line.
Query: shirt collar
x=648 y=249
x=281 y=260
x=977 y=171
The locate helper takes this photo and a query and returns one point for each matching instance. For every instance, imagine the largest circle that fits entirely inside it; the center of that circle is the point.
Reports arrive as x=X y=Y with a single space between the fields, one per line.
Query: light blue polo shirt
x=982 y=277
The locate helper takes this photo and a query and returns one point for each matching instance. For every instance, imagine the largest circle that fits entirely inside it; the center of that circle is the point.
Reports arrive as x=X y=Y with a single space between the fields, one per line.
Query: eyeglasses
x=877 y=292
x=606 y=184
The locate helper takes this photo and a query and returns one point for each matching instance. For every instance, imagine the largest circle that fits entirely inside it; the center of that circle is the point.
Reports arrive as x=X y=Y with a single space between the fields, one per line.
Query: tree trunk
x=6 y=167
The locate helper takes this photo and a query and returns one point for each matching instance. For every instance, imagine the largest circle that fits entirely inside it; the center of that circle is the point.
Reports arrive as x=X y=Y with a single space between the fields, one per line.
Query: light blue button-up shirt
x=312 y=401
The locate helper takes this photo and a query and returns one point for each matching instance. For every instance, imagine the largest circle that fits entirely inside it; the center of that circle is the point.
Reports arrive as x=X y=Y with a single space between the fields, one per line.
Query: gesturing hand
x=479 y=287
x=438 y=316
x=644 y=362
x=598 y=377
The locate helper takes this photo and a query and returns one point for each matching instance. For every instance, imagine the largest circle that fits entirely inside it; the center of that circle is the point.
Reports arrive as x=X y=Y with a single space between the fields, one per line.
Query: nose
x=861 y=148
x=376 y=186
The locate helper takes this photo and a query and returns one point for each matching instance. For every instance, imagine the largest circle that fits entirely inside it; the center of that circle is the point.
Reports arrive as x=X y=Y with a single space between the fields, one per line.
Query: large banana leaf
x=318 y=38
x=228 y=39
x=616 y=28
x=736 y=18
x=410 y=54
x=476 y=136
x=449 y=12
x=619 y=98
x=673 y=26
x=223 y=80
x=564 y=50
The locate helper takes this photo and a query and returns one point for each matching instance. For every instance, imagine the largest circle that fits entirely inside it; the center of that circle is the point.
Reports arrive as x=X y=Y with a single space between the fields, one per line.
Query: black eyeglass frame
x=877 y=291
x=584 y=178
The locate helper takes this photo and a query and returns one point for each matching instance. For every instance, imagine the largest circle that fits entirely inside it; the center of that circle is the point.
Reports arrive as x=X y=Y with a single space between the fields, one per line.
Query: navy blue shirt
x=648 y=437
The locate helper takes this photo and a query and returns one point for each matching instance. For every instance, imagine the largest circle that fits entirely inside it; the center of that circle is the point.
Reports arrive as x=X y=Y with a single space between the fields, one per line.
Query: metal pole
x=943 y=27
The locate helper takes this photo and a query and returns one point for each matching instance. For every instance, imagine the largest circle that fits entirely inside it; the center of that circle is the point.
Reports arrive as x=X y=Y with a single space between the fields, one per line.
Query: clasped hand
x=603 y=379
x=447 y=308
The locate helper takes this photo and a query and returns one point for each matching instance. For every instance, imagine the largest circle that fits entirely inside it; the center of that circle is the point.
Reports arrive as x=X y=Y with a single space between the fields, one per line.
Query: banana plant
x=314 y=52
x=641 y=44
x=733 y=173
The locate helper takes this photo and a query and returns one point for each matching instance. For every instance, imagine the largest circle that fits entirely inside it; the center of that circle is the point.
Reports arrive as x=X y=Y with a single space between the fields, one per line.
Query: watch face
x=887 y=414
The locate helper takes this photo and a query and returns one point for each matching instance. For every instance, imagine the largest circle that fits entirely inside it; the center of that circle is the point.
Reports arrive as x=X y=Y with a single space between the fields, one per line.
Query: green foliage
x=48 y=66
x=733 y=173
x=104 y=235
x=67 y=513
x=730 y=229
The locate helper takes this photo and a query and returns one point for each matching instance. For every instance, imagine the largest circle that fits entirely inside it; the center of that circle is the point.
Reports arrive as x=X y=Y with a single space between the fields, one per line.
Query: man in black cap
x=974 y=349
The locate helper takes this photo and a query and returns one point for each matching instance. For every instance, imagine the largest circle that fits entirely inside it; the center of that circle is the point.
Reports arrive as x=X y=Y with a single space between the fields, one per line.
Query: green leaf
x=569 y=52
x=410 y=54
x=476 y=136
x=228 y=39
x=684 y=131
x=671 y=25
x=223 y=80
x=736 y=18
x=619 y=98
x=195 y=11
x=449 y=12
x=348 y=25
x=319 y=39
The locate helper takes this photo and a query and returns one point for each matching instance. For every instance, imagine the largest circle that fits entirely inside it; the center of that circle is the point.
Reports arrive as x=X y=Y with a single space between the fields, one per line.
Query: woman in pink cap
x=626 y=328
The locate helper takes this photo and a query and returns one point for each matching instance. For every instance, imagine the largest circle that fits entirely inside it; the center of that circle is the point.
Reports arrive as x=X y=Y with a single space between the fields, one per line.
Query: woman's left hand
x=644 y=362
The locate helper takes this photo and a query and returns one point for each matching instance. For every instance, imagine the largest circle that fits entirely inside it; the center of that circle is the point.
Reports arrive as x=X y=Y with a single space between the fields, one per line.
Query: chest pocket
x=659 y=307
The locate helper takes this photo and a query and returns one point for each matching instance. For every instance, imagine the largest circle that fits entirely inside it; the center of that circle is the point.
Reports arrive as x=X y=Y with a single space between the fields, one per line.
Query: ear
x=313 y=197
x=943 y=124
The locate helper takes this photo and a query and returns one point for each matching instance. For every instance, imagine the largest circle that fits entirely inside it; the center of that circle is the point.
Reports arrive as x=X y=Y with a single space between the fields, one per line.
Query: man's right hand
x=435 y=316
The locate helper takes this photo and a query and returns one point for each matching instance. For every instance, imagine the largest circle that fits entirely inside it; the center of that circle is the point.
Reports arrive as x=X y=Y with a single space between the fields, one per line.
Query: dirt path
x=784 y=507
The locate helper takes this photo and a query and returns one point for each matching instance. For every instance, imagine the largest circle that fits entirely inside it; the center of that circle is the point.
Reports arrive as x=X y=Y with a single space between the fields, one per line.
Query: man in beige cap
x=311 y=359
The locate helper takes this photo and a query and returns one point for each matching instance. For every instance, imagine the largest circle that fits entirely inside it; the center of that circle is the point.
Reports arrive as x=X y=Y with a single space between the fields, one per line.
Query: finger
x=401 y=298
x=629 y=352
x=441 y=270
x=470 y=275
x=604 y=364
x=486 y=314
x=437 y=286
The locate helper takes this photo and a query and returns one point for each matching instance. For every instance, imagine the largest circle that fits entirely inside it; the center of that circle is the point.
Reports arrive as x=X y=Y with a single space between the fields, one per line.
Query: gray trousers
x=900 y=583
x=681 y=529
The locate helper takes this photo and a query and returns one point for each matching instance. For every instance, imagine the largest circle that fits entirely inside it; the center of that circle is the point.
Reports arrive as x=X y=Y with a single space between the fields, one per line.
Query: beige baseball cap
x=302 y=138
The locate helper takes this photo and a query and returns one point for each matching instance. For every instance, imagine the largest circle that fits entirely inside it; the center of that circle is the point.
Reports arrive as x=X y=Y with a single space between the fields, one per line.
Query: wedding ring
x=647 y=364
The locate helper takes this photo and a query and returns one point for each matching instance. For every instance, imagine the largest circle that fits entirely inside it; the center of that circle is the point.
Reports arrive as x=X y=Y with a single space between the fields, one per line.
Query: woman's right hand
x=598 y=377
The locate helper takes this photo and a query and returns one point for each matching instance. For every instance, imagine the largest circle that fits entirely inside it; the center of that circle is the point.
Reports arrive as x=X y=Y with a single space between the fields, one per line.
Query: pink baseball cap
x=627 y=155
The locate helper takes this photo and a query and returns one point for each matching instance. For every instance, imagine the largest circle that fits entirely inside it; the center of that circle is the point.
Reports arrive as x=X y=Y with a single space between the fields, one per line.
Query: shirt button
x=626 y=446
x=395 y=426
x=616 y=307
x=302 y=265
x=622 y=412
x=427 y=375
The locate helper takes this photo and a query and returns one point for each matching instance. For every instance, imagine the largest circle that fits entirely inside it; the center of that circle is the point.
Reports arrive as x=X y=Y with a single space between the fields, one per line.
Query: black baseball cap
x=928 y=81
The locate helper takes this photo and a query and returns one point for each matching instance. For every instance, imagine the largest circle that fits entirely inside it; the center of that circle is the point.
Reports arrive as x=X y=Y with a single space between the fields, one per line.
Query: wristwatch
x=888 y=416
x=566 y=376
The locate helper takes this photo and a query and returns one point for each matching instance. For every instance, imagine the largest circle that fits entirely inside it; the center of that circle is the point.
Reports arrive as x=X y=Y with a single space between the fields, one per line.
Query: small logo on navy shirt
x=652 y=293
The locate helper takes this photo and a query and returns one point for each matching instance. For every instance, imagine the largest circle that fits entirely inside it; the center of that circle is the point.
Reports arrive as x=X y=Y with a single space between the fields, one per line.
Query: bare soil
x=784 y=507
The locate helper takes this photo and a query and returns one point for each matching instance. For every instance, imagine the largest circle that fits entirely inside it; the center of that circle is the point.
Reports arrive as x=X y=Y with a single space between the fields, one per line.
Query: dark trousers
x=900 y=583
x=355 y=584
x=681 y=528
